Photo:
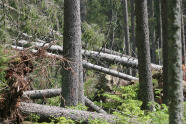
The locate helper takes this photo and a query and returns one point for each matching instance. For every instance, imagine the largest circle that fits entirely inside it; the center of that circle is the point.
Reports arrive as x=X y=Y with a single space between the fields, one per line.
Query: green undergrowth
x=124 y=104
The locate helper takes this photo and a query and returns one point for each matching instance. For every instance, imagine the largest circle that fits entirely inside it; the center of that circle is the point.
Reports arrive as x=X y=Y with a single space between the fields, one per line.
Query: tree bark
x=133 y=37
x=46 y=112
x=165 y=51
x=152 y=30
x=71 y=78
x=142 y=36
x=175 y=62
x=183 y=35
x=158 y=27
x=126 y=28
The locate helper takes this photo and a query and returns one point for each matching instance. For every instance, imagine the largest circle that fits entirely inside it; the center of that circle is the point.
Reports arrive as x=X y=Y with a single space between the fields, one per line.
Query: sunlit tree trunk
x=175 y=62
x=144 y=67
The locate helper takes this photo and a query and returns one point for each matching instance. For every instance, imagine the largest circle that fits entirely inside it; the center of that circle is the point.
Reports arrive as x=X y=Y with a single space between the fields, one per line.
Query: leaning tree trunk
x=175 y=62
x=71 y=73
x=165 y=52
x=142 y=36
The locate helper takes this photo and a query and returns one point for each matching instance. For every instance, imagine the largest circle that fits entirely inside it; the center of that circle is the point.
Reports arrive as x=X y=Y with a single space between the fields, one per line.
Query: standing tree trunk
x=126 y=26
x=152 y=30
x=183 y=35
x=133 y=38
x=83 y=9
x=72 y=82
x=175 y=62
x=158 y=27
x=165 y=52
x=144 y=67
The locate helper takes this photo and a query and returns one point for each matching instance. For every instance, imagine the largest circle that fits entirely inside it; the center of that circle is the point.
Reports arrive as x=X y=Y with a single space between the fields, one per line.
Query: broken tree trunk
x=127 y=61
x=124 y=60
x=48 y=93
x=45 y=112
x=92 y=66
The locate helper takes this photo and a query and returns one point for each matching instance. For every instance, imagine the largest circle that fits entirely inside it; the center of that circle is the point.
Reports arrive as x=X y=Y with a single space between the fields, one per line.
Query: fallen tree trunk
x=53 y=48
x=127 y=61
x=48 y=93
x=92 y=66
x=46 y=112
x=109 y=71
x=105 y=50
x=124 y=60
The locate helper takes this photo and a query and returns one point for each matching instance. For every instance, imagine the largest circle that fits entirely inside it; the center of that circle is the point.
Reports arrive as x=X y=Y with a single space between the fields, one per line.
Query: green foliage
x=4 y=60
x=97 y=121
x=125 y=104
x=62 y=120
x=54 y=101
x=34 y=117
x=78 y=107
x=92 y=35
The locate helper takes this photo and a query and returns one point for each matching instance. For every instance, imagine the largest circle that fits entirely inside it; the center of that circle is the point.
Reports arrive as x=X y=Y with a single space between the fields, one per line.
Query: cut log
x=48 y=93
x=127 y=61
x=45 y=112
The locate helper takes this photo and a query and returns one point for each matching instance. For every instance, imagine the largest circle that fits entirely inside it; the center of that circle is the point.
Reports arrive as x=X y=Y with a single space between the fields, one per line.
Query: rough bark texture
x=71 y=77
x=124 y=60
x=152 y=30
x=175 y=63
x=142 y=36
x=183 y=35
x=46 y=112
x=165 y=52
x=133 y=37
x=48 y=93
